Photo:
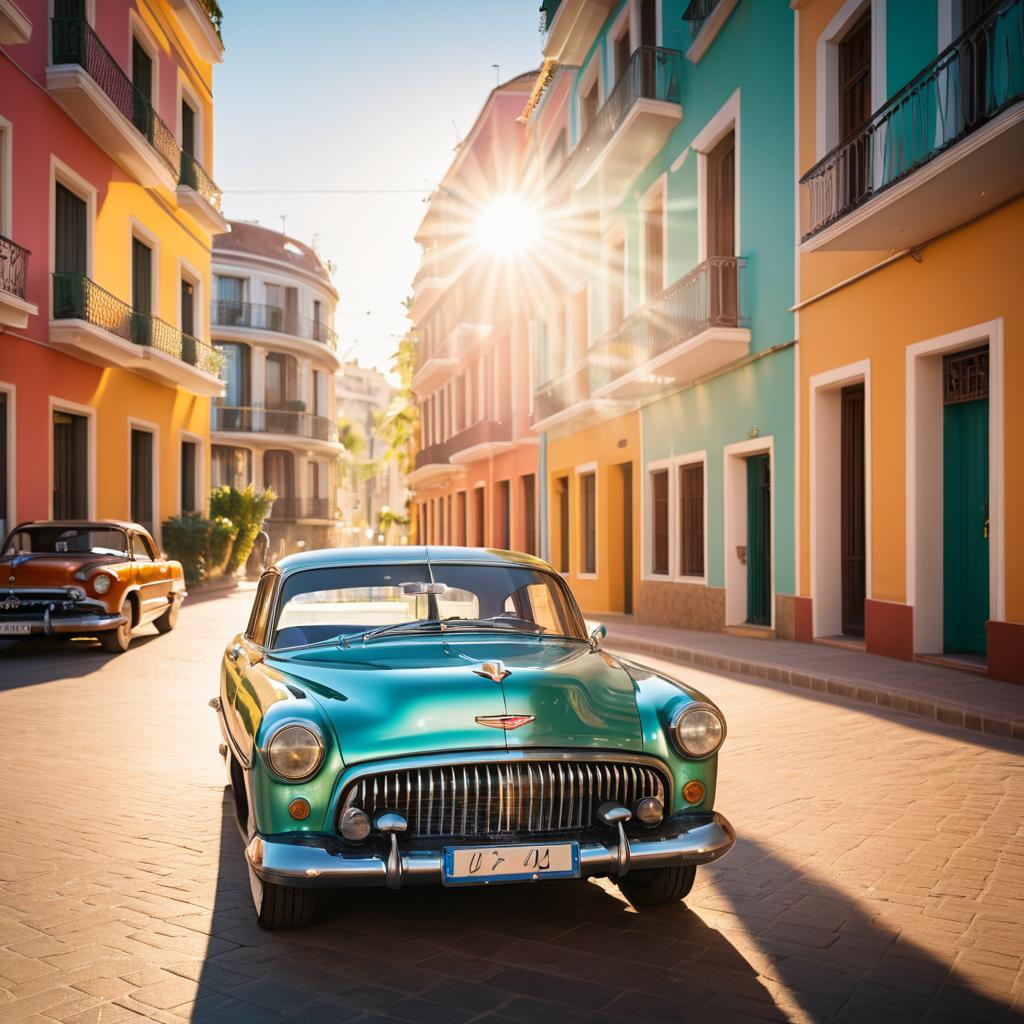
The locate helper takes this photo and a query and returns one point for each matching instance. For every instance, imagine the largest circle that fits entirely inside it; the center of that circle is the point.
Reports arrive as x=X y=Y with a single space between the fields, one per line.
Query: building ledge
x=709 y=30
x=265 y=439
x=15 y=27
x=14 y=312
x=433 y=473
x=484 y=450
x=200 y=30
x=279 y=341
x=585 y=413
x=207 y=215
x=433 y=370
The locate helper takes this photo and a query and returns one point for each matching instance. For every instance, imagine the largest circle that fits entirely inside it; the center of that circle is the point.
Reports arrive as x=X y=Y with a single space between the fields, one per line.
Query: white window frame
x=658 y=192
x=62 y=174
x=827 y=68
x=55 y=404
x=725 y=120
x=200 y=444
x=581 y=471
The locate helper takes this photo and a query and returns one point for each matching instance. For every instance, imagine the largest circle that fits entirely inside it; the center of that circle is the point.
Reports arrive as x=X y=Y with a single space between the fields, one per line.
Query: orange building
x=107 y=212
x=475 y=475
x=911 y=328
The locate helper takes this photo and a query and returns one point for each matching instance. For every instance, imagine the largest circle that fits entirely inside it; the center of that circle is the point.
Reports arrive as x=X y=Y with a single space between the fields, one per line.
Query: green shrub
x=201 y=545
x=246 y=510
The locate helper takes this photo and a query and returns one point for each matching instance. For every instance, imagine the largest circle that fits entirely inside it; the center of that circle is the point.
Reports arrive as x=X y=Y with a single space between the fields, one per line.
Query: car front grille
x=33 y=602
x=519 y=796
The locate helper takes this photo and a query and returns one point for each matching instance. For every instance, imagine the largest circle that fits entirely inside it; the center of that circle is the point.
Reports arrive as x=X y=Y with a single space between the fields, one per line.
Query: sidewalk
x=946 y=695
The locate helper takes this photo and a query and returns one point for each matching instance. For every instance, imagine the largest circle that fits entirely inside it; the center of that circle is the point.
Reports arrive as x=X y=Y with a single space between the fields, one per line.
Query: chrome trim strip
x=70 y=624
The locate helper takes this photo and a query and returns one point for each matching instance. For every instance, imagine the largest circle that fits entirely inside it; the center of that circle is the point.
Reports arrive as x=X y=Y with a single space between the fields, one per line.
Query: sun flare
x=507 y=227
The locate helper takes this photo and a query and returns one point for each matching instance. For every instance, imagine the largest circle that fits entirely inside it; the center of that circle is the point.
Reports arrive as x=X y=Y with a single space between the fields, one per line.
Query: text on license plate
x=15 y=627
x=510 y=863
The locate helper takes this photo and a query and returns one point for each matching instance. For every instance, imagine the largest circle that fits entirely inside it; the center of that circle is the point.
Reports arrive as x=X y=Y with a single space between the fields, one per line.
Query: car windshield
x=355 y=602
x=67 y=540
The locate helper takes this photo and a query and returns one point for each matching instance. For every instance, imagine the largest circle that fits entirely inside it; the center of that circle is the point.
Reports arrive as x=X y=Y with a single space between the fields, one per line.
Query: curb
x=941 y=710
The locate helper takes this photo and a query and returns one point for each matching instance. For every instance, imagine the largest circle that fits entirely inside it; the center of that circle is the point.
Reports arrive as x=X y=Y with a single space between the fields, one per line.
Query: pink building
x=475 y=479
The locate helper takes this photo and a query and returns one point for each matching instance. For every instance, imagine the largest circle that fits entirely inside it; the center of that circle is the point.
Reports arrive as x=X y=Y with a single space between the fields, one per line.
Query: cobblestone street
x=878 y=874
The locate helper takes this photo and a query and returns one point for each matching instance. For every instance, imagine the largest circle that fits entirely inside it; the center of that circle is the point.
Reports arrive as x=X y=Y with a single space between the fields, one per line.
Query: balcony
x=438 y=362
x=696 y=326
x=566 y=398
x=15 y=309
x=241 y=318
x=290 y=510
x=946 y=148
x=15 y=27
x=199 y=194
x=482 y=440
x=632 y=125
x=706 y=18
x=427 y=286
x=201 y=20
x=90 y=85
x=98 y=327
x=282 y=425
x=571 y=26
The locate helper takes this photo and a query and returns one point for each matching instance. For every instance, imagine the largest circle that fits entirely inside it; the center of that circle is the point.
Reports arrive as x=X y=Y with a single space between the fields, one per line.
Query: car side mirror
x=597 y=635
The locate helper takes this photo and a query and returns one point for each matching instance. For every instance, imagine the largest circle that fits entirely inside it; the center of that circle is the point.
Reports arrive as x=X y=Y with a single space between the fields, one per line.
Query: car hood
x=44 y=570
x=410 y=696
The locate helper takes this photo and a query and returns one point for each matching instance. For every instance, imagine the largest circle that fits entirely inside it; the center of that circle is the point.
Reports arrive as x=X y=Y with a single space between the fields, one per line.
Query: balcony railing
x=482 y=432
x=289 y=509
x=698 y=11
x=193 y=174
x=13 y=267
x=548 y=10
x=711 y=295
x=974 y=79
x=651 y=74
x=76 y=297
x=74 y=42
x=261 y=420
x=214 y=13
x=272 y=318
x=561 y=393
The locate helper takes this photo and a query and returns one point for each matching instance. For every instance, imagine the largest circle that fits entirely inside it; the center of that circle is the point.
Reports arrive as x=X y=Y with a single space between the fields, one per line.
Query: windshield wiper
x=394 y=627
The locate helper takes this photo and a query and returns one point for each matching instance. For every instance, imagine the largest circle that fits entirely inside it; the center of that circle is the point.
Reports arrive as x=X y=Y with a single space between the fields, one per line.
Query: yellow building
x=106 y=371
x=911 y=328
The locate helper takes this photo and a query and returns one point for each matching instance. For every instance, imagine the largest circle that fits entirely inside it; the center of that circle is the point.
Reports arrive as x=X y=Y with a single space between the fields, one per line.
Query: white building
x=365 y=486
x=272 y=316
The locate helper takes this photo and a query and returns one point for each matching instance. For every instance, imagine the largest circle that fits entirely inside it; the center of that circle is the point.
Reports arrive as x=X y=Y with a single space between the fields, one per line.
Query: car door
x=152 y=576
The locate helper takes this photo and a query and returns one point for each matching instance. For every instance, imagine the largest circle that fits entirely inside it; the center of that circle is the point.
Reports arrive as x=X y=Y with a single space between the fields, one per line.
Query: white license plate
x=15 y=627
x=483 y=864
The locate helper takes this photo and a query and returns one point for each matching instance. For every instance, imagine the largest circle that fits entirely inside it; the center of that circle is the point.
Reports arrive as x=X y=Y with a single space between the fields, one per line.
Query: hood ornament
x=505 y=722
x=493 y=670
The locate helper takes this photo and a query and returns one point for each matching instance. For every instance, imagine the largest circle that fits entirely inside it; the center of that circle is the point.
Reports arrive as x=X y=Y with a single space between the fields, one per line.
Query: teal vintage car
x=411 y=715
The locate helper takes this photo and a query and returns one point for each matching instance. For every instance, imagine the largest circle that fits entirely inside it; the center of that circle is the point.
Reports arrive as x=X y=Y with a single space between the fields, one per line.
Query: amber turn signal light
x=693 y=792
x=299 y=809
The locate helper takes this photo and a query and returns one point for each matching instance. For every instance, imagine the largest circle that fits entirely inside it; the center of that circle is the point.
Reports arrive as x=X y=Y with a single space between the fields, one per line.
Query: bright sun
x=507 y=227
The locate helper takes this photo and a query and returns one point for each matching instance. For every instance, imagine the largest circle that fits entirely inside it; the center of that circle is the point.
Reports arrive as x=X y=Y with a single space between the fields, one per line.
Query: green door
x=759 y=541
x=965 y=526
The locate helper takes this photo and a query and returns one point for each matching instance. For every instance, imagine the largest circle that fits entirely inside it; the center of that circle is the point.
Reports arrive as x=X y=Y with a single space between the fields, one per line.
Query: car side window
x=256 y=631
x=140 y=550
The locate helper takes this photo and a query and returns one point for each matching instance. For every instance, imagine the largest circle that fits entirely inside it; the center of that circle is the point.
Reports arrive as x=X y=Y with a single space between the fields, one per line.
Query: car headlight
x=101 y=583
x=698 y=730
x=295 y=752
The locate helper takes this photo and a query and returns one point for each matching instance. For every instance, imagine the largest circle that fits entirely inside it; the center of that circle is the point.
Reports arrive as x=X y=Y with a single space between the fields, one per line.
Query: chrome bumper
x=50 y=625
x=685 y=839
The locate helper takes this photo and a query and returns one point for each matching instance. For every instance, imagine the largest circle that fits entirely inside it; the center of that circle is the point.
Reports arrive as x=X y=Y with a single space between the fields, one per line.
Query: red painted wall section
x=1006 y=651
x=889 y=629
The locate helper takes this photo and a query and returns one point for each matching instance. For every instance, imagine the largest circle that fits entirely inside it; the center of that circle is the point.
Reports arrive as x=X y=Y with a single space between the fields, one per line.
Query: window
x=143 y=549
x=588 y=522
x=621 y=49
x=256 y=631
x=654 y=247
x=562 y=498
x=142 y=79
x=70 y=251
x=142 y=478
x=529 y=489
x=231 y=467
x=691 y=520
x=189 y=466
x=319 y=392
x=188 y=308
x=142 y=292
x=479 y=505
x=282 y=381
x=5 y=512
x=460 y=505
x=503 y=537
x=70 y=466
x=659 y=523
x=236 y=383
x=279 y=475
x=188 y=128
x=616 y=276
x=231 y=308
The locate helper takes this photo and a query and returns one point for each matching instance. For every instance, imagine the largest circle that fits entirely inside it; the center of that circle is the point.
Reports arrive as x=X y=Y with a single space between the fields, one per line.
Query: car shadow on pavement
x=762 y=940
x=50 y=659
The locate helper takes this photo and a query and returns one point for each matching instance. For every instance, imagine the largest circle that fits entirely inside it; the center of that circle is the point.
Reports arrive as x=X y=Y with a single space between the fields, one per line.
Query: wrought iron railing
x=652 y=73
x=290 y=509
x=74 y=42
x=272 y=318
x=193 y=174
x=214 y=13
x=713 y=294
x=77 y=297
x=13 y=267
x=262 y=420
x=974 y=79
x=548 y=10
x=698 y=11
x=561 y=392
x=481 y=432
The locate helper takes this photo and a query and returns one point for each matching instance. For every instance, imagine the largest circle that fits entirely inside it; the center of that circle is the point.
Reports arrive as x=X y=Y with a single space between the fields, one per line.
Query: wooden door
x=626 y=482
x=142 y=292
x=142 y=80
x=721 y=233
x=188 y=129
x=855 y=110
x=70 y=253
x=852 y=516
x=70 y=466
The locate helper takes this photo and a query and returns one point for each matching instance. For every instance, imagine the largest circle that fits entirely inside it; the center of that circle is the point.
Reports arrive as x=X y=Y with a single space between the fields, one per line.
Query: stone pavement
x=944 y=694
x=879 y=874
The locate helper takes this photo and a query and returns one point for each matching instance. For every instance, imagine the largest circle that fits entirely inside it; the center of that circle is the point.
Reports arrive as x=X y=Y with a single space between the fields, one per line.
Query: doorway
x=625 y=473
x=852 y=520
x=759 y=542
x=70 y=466
x=721 y=231
x=142 y=479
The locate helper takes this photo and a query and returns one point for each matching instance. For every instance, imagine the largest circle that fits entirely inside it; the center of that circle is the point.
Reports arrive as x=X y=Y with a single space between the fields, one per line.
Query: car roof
x=119 y=524
x=404 y=554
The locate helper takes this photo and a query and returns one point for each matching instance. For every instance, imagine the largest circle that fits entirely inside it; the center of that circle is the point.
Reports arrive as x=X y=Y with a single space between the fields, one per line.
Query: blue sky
x=315 y=94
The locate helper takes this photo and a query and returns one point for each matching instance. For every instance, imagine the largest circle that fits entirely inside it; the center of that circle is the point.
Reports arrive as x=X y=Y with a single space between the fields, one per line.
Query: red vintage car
x=85 y=578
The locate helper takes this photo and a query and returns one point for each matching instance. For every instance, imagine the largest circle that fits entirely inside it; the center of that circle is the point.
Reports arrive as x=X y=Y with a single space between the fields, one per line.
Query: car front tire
x=283 y=906
x=116 y=641
x=658 y=886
